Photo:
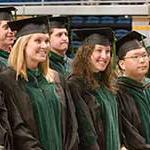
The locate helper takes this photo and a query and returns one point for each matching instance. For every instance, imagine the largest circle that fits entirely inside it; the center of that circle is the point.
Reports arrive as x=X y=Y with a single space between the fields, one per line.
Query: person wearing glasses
x=133 y=93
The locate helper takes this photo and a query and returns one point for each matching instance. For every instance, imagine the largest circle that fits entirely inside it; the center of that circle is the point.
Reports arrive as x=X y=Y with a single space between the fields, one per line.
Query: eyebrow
x=139 y=53
x=4 y=25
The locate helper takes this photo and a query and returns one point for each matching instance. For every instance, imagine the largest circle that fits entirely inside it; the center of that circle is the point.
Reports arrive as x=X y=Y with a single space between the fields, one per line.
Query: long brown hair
x=82 y=67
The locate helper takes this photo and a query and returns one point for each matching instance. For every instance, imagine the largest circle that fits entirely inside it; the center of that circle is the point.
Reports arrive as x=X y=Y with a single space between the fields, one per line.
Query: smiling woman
x=93 y=93
x=36 y=89
x=36 y=50
x=100 y=57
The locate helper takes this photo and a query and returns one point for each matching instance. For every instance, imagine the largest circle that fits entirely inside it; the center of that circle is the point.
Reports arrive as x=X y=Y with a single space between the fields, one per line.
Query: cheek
x=130 y=66
x=30 y=49
x=93 y=58
x=109 y=57
x=53 y=43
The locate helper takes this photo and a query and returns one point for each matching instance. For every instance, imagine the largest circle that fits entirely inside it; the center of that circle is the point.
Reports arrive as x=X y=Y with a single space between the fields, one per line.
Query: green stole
x=59 y=63
x=109 y=115
x=141 y=95
x=4 y=57
x=47 y=110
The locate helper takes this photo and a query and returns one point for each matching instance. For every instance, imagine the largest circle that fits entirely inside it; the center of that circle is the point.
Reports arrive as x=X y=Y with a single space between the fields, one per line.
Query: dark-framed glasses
x=138 y=57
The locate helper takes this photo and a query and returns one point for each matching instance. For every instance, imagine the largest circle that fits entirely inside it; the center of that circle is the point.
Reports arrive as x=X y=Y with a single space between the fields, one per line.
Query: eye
x=6 y=26
x=59 y=34
x=47 y=41
x=37 y=40
x=108 y=51
x=66 y=34
x=145 y=55
x=135 y=57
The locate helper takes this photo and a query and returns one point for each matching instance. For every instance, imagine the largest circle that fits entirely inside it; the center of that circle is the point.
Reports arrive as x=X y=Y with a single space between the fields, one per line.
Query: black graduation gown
x=17 y=135
x=3 y=59
x=16 y=93
x=130 y=120
x=91 y=126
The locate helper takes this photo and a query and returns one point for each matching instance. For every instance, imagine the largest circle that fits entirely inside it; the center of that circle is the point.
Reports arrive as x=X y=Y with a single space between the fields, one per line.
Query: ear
x=121 y=64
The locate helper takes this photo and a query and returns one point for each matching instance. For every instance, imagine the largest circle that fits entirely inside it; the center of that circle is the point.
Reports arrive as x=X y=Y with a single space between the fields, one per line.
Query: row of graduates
x=90 y=109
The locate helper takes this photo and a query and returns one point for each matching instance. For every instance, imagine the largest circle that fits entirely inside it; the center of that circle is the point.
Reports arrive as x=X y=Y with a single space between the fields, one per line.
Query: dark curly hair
x=82 y=67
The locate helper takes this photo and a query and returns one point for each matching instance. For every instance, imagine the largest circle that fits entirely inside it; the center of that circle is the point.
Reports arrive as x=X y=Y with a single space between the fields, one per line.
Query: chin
x=42 y=59
x=101 y=69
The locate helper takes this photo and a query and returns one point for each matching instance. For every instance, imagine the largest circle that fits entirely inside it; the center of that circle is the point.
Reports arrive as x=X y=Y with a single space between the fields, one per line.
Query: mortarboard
x=29 y=26
x=59 y=22
x=103 y=36
x=6 y=13
x=129 y=42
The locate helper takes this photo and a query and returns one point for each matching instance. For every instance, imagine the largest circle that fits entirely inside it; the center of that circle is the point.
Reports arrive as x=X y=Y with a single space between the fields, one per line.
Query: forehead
x=99 y=46
x=59 y=30
x=40 y=35
x=136 y=51
x=3 y=22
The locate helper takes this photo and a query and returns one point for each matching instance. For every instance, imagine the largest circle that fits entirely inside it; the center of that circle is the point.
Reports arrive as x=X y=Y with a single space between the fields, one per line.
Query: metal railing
x=74 y=2
x=80 y=7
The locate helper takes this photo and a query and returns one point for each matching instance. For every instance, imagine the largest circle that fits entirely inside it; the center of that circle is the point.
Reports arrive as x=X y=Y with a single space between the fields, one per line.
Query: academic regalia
x=3 y=59
x=59 y=63
x=5 y=14
x=6 y=139
x=132 y=41
x=18 y=122
x=97 y=116
x=6 y=135
x=47 y=109
x=96 y=107
x=62 y=64
x=40 y=103
x=134 y=100
x=52 y=109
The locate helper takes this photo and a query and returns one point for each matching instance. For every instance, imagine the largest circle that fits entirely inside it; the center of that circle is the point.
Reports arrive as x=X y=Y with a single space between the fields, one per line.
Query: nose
x=10 y=31
x=44 y=45
x=64 y=36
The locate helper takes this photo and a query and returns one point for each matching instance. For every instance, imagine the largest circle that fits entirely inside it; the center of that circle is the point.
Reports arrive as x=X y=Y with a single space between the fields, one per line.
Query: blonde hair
x=17 y=60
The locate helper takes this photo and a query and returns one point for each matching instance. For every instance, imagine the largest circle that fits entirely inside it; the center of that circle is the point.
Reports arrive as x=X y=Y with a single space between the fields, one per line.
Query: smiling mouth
x=101 y=62
x=143 y=67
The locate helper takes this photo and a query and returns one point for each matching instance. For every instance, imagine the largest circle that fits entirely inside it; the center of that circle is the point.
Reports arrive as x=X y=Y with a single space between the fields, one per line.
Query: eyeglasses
x=136 y=58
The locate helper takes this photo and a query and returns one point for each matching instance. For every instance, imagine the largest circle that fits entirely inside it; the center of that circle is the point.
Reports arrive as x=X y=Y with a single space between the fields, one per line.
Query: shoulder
x=53 y=76
x=8 y=74
x=147 y=81
x=76 y=82
x=69 y=59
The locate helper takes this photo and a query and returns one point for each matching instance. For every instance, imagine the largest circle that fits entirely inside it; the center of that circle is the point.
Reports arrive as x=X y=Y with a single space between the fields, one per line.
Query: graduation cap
x=59 y=22
x=29 y=26
x=92 y=36
x=129 y=42
x=6 y=13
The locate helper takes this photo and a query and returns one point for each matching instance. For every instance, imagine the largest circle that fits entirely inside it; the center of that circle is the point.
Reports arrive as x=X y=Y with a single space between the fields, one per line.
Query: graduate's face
x=59 y=40
x=135 y=64
x=100 y=57
x=7 y=37
x=37 y=49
